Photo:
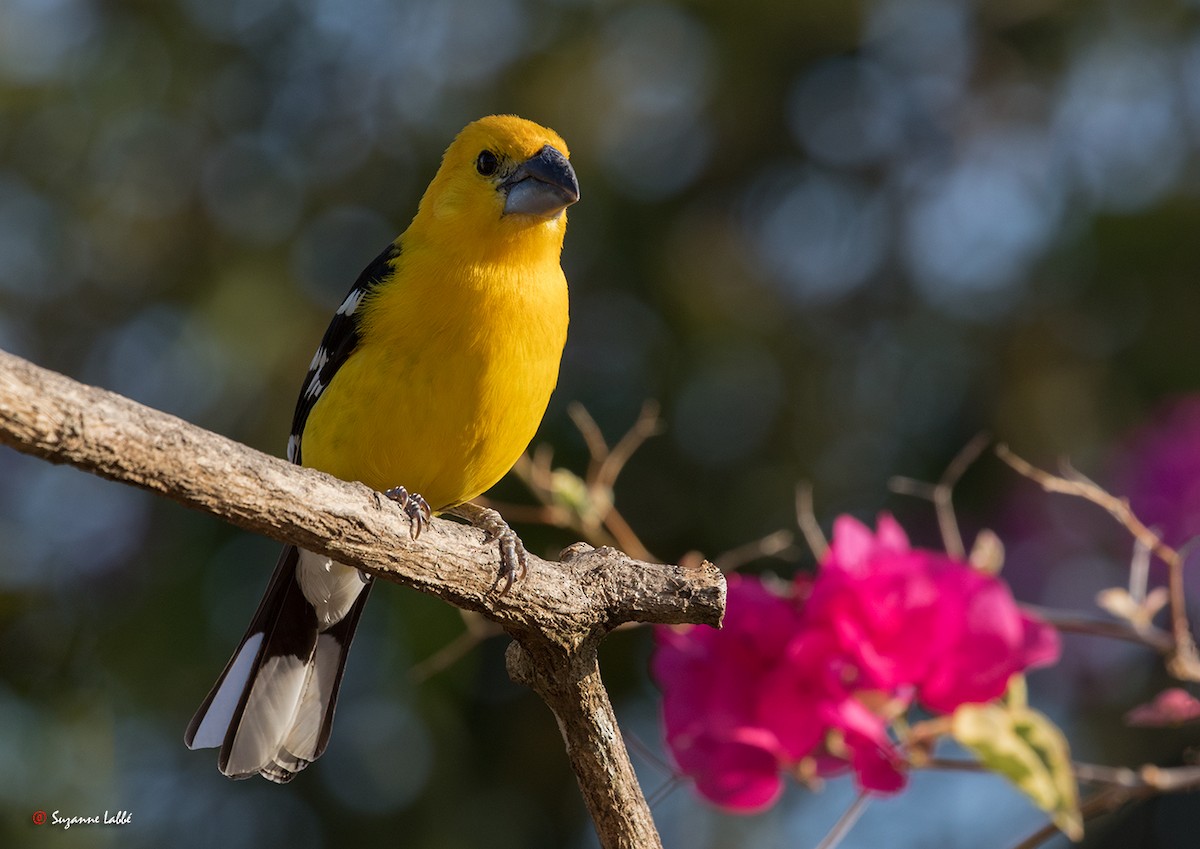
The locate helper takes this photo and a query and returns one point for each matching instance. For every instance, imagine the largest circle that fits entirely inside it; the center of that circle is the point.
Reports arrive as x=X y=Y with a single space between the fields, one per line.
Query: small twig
x=806 y=518
x=541 y=463
x=1154 y=638
x=1149 y=777
x=845 y=822
x=603 y=525
x=592 y=437
x=913 y=487
x=955 y=765
x=1139 y=572
x=606 y=465
x=942 y=493
x=626 y=538
x=663 y=791
x=1120 y=786
x=648 y=754
x=775 y=544
x=1080 y=487
x=526 y=514
x=1183 y=661
x=648 y=424
x=477 y=630
x=1103 y=801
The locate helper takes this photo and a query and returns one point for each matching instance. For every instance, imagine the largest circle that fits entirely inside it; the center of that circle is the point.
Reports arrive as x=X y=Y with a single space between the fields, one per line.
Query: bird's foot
x=513 y=560
x=414 y=507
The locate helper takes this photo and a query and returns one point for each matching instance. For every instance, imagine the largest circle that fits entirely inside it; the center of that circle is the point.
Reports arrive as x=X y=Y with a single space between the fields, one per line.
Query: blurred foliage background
x=834 y=240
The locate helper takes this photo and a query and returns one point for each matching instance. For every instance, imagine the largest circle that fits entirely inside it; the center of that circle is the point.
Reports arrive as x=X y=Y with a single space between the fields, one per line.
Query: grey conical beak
x=543 y=185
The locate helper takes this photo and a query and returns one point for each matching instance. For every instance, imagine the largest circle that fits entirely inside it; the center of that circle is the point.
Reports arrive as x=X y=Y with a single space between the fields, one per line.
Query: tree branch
x=558 y=613
x=1183 y=658
x=1118 y=787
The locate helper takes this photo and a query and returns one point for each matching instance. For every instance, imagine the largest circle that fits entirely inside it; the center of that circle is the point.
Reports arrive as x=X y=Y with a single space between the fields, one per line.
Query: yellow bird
x=431 y=380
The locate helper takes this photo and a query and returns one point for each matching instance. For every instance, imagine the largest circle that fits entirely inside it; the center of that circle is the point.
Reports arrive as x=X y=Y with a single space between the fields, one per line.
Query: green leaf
x=1030 y=751
x=569 y=490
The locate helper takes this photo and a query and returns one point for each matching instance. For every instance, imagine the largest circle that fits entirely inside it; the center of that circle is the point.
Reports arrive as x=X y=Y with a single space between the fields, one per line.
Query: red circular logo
x=39 y=817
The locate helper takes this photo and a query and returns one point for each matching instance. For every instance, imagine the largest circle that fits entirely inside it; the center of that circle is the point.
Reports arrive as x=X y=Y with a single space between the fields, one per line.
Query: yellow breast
x=450 y=380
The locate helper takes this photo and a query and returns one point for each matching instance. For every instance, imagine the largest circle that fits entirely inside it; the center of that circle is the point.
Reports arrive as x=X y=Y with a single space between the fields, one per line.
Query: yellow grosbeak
x=429 y=383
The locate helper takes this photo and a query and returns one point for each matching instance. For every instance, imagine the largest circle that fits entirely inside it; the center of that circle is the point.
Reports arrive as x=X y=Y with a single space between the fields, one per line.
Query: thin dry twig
x=674 y=778
x=806 y=518
x=1149 y=777
x=625 y=536
x=775 y=544
x=648 y=425
x=845 y=822
x=1183 y=661
x=591 y=513
x=1101 y=802
x=477 y=629
x=1074 y=623
x=593 y=438
x=1118 y=787
x=954 y=765
x=664 y=790
x=942 y=493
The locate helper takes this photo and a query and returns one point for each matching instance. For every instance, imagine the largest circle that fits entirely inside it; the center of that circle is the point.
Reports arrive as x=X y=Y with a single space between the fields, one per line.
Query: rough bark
x=557 y=615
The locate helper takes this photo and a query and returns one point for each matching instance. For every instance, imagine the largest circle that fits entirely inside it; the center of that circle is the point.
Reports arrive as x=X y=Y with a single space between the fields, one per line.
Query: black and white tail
x=271 y=710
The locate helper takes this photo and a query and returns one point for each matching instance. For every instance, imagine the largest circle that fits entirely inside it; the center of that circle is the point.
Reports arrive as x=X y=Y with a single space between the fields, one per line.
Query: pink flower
x=988 y=639
x=918 y=623
x=1173 y=706
x=739 y=771
x=802 y=695
x=745 y=704
x=815 y=677
x=881 y=600
x=711 y=683
x=876 y=763
x=813 y=712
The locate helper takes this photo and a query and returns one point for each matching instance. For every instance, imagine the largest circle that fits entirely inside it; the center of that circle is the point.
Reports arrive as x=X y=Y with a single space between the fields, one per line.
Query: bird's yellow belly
x=447 y=423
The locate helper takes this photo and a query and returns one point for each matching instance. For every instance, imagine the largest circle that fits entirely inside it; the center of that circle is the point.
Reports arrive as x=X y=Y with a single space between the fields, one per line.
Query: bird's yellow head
x=502 y=179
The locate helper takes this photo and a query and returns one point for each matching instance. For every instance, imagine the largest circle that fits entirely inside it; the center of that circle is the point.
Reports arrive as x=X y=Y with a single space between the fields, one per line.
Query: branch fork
x=557 y=615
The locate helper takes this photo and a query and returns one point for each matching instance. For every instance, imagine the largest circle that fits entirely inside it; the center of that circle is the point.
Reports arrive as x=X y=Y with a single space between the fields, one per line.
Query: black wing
x=339 y=342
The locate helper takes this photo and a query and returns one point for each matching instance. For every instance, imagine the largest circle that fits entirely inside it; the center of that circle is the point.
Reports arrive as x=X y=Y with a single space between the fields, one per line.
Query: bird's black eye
x=487 y=163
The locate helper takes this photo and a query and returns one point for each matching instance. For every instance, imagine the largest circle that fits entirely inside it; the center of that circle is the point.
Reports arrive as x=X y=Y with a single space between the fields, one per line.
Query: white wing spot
x=319 y=359
x=351 y=303
x=293 y=448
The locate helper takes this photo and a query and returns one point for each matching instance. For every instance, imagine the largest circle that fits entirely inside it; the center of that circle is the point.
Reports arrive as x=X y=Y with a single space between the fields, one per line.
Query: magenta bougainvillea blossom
x=711 y=696
x=806 y=678
x=918 y=623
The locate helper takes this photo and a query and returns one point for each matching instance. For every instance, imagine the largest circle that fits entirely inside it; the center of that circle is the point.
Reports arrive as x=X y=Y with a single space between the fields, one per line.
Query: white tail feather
x=211 y=731
x=271 y=710
x=269 y=713
x=302 y=740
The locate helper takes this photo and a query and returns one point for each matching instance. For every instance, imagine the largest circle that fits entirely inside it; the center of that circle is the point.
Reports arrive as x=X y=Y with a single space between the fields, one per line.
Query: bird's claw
x=513 y=563
x=513 y=559
x=415 y=508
